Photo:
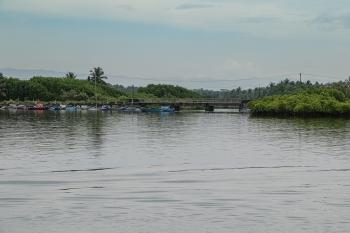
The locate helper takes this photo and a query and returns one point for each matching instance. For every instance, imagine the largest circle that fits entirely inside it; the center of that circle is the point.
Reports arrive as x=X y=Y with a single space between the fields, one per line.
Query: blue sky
x=206 y=43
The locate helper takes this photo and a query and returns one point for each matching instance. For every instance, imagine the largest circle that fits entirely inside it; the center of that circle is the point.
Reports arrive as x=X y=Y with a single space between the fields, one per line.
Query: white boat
x=84 y=107
x=93 y=109
x=12 y=106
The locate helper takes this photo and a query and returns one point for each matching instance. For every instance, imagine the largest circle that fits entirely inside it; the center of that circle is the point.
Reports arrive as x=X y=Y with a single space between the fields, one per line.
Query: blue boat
x=160 y=109
x=71 y=108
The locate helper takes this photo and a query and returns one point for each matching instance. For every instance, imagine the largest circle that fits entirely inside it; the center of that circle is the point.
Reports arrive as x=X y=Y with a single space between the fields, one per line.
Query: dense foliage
x=282 y=88
x=321 y=101
x=51 y=89
x=168 y=91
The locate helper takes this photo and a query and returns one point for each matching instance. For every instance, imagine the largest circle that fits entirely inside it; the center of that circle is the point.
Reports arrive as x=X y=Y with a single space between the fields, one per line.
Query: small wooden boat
x=39 y=107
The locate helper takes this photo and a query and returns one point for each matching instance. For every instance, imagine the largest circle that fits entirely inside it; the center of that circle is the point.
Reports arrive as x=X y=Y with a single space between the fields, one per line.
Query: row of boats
x=73 y=108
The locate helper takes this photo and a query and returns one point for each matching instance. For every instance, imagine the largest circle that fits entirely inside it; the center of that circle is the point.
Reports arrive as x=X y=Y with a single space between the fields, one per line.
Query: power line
x=204 y=80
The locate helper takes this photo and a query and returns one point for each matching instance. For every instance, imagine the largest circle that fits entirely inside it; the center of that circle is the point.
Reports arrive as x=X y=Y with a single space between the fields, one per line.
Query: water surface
x=187 y=172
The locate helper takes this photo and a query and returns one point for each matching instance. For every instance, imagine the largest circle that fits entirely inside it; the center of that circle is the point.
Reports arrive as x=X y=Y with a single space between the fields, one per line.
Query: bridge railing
x=189 y=101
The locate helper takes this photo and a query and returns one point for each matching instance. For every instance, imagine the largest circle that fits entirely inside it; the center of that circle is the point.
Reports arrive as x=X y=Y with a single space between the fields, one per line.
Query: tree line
x=320 y=99
x=59 y=89
x=69 y=88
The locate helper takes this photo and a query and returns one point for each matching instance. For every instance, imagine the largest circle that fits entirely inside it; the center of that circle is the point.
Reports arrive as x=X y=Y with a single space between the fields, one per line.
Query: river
x=187 y=172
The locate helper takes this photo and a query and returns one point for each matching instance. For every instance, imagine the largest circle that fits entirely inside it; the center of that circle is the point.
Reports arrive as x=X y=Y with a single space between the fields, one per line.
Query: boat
x=159 y=109
x=55 y=107
x=39 y=107
x=92 y=109
x=84 y=107
x=71 y=108
x=21 y=107
x=106 y=107
x=166 y=109
x=129 y=109
x=12 y=106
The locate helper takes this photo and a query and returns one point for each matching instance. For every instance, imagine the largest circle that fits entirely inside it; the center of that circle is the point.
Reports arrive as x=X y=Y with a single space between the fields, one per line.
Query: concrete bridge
x=198 y=104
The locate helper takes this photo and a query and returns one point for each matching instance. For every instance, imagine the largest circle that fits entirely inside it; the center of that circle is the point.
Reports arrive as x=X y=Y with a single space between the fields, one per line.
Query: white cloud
x=211 y=15
x=236 y=67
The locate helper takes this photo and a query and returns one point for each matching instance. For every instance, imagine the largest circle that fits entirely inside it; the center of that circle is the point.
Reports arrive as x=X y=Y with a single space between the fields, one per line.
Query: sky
x=195 y=43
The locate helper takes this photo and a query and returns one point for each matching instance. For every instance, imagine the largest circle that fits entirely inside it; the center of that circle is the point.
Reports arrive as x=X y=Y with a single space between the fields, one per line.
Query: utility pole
x=95 y=93
x=132 y=96
x=300 y=77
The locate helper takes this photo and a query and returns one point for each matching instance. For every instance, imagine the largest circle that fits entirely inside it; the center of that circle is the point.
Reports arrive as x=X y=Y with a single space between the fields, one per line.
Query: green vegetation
x=317 y=101
x=71 y=75
x=71 y=89
x=284 y=98
x=56 y=89
x=97 y=75
x=282 y=88
x=168 y=91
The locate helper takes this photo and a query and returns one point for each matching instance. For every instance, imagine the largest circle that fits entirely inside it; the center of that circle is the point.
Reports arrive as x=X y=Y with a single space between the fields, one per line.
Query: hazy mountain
x=28 y=73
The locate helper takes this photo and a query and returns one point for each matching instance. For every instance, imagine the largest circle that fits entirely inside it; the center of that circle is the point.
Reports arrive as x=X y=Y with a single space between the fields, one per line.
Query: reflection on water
x=188 y=172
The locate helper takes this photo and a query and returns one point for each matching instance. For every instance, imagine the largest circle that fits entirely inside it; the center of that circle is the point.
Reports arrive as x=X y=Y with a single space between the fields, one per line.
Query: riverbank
x=320 y=102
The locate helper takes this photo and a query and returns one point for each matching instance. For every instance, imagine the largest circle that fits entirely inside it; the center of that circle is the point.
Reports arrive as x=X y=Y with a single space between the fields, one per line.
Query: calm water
x=189 y=172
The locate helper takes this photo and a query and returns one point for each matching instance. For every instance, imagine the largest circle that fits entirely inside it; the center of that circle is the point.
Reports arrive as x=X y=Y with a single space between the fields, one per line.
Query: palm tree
x=97 y=75
x=71 y=75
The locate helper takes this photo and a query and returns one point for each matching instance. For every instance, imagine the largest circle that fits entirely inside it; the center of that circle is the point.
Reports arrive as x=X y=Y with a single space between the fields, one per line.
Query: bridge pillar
x=209 y=108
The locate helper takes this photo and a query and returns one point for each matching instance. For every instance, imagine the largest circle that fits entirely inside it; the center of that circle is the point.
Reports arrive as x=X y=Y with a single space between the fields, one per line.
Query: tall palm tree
x=71 y=75
x=97 y=75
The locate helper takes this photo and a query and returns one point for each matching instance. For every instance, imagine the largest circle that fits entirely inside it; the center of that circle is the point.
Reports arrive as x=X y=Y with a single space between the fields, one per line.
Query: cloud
x=125 y=7
x=236 y=67
x=193 y=6
x=279 y=18
x=332 y=22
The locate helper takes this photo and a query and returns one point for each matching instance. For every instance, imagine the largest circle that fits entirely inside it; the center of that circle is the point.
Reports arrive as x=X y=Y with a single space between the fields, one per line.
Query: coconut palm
x=97 y=75
x=71 y=75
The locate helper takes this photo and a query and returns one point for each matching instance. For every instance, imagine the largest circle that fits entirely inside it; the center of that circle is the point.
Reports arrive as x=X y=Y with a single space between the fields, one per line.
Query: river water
x=188 y=172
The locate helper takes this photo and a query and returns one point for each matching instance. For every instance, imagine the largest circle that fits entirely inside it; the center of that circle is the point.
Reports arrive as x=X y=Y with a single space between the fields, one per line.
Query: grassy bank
x=316 y=102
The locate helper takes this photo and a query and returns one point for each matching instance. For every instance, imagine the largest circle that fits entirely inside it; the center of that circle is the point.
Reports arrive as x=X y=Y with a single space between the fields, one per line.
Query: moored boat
x=159 y=109
x=39 y=107
x=92 y=109
x=71 y=108
x=129 y=109
x=55 y=107
x=106 y=107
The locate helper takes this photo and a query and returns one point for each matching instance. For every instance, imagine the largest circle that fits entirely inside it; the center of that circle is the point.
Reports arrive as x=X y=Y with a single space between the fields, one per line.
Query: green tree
x=2 y=87
x=71 y=75
x=97 y=74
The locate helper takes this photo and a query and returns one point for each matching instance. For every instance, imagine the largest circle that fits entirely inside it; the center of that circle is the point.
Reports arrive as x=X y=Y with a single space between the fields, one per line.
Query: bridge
x=208 y=105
